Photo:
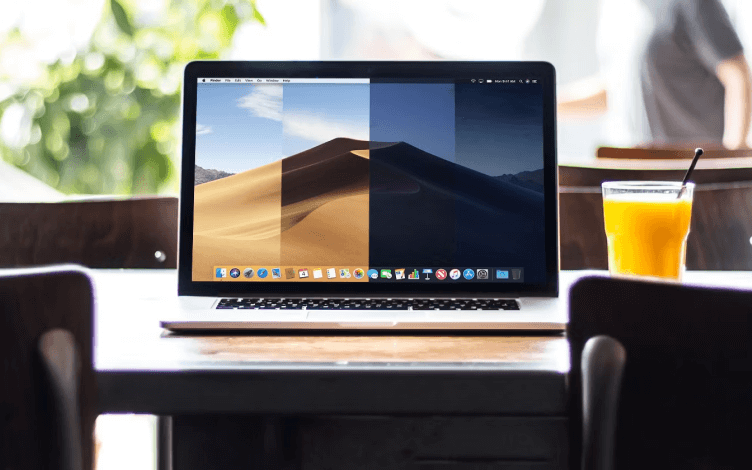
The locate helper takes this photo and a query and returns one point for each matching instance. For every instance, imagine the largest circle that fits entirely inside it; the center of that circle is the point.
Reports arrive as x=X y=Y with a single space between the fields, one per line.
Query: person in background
x=695 y=87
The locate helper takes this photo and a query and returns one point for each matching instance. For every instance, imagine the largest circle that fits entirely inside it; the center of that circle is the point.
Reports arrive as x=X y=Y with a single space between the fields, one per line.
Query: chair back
x=665 y=153
x=47 y=382
x=720 y=230
x=686 y=386
x=116 y=233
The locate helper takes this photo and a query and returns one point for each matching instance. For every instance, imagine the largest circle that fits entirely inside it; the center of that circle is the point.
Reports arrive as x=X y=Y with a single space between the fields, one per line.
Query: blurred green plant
x=106 y=122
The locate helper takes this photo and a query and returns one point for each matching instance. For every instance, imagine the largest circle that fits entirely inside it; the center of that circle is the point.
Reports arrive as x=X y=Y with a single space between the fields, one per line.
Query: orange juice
x=647 y=233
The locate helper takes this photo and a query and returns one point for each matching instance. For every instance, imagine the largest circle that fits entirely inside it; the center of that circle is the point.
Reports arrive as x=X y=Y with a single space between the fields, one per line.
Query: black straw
x=698 y=153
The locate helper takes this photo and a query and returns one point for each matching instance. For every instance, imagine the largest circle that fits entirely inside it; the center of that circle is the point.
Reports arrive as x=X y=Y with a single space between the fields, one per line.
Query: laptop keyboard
x=368 y=304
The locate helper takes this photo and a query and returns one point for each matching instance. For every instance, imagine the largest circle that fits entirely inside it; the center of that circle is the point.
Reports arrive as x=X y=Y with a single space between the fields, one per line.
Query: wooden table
x=290 y=401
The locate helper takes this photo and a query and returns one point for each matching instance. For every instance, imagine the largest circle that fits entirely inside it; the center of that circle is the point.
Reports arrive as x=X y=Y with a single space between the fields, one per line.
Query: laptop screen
x=332 y=180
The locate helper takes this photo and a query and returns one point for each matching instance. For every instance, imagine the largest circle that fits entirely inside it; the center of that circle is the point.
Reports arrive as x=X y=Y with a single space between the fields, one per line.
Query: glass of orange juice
x=647 y=224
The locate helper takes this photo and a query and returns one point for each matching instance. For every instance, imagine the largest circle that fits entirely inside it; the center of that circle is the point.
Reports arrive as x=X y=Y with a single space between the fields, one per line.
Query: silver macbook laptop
x=368 y=195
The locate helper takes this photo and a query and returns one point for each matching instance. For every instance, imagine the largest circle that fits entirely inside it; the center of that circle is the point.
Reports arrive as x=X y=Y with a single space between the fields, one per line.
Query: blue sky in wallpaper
x=240 y=127
x=417 y=113
x=499 y=128
x=229 y=135
x=317 y=113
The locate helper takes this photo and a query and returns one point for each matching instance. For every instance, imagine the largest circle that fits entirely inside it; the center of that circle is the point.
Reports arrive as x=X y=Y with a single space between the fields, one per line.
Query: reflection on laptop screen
x=364 y=180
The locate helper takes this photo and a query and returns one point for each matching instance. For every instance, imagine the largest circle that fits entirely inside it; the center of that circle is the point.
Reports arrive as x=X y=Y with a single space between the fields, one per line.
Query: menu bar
x=486 y=81
x=260 y=81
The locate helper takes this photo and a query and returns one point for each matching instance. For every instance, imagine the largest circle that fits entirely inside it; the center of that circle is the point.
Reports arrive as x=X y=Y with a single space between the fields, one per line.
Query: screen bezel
x=543 y=71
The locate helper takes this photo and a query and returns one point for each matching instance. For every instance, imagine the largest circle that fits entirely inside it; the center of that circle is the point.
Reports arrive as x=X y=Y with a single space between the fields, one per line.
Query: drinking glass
x=647 y=224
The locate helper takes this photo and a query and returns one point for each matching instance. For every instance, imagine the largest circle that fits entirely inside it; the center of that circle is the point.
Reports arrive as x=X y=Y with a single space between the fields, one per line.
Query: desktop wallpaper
x=281 y=176
x=463 y=184
x=359 y=175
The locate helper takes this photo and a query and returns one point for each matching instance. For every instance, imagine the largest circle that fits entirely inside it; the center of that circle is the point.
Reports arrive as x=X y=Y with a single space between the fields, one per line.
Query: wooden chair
x=665 y=153
x=683 y=400
x=120 y=233
x=47 y=383
x=720 y=231
x=98 y=233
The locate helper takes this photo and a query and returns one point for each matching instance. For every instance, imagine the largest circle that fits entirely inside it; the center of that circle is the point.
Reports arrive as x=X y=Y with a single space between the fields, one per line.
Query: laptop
x=368 y=196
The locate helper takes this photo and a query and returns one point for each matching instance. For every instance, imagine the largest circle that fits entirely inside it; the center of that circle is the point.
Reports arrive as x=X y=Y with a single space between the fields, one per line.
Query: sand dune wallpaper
x=455 y=189
x=427 y=211
x=297 y=194
x=387 y=175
